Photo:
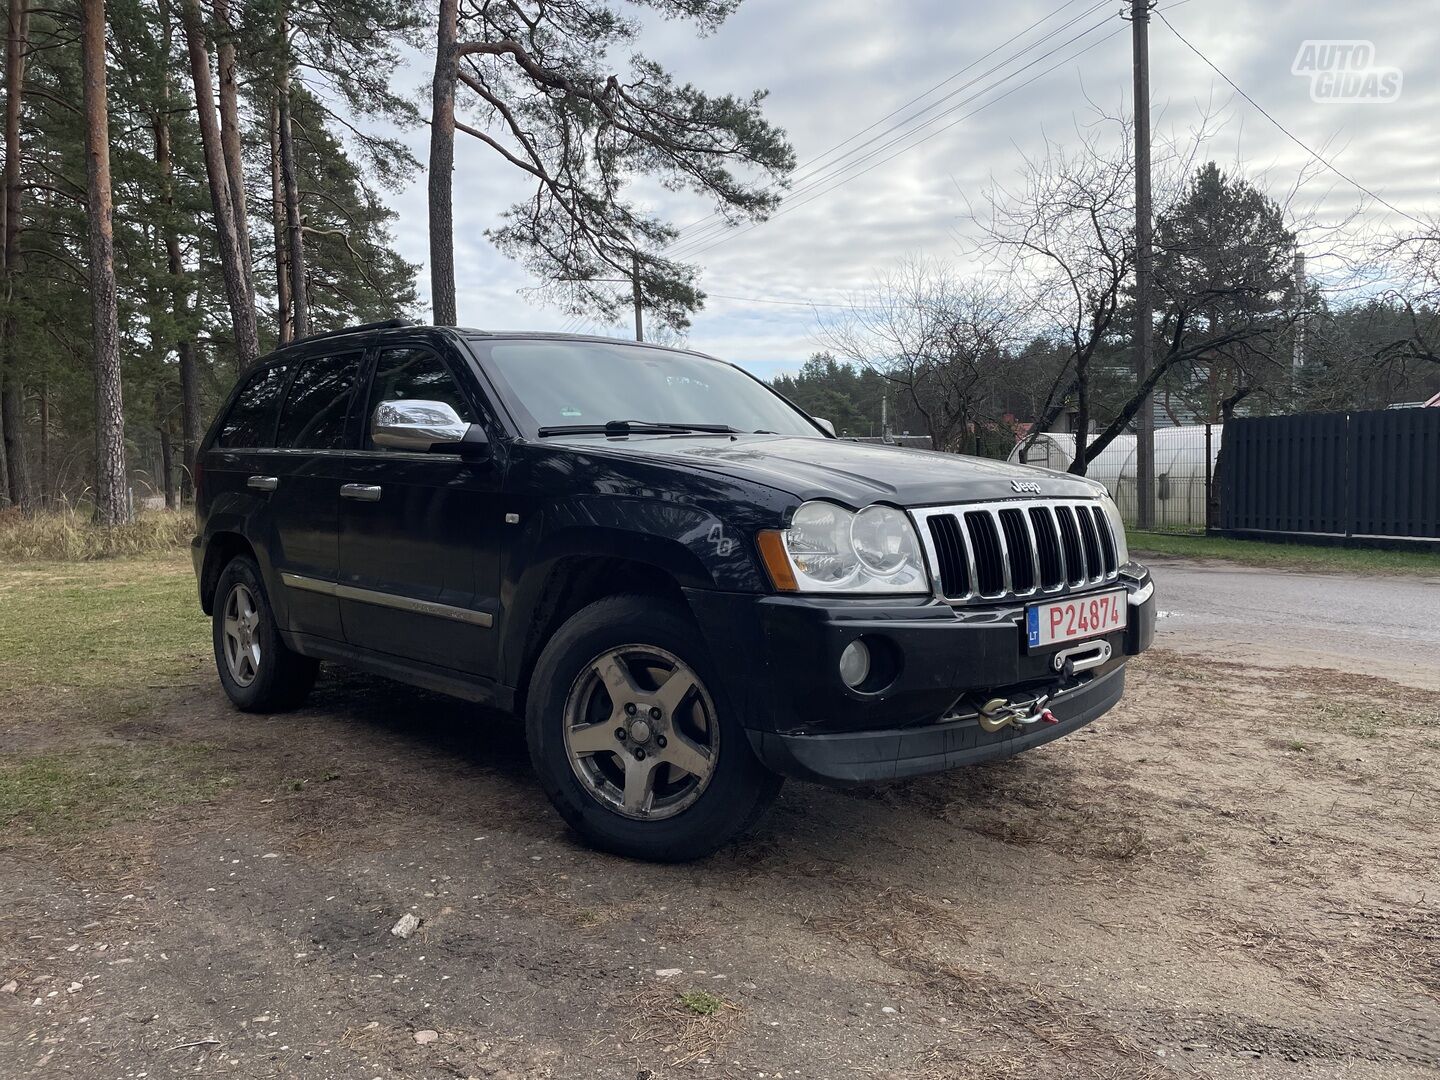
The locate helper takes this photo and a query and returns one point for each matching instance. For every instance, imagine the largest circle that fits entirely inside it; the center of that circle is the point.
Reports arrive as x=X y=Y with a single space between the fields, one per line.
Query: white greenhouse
x=1179 y=470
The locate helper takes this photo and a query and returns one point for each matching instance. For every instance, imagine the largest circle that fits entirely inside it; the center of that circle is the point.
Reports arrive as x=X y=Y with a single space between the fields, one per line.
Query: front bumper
x=863 y=756
x=780 y=658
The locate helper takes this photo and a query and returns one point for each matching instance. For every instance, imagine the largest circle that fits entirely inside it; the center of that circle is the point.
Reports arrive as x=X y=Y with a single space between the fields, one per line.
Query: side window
x=251 y=420
x=415 y=374
x=318 y=405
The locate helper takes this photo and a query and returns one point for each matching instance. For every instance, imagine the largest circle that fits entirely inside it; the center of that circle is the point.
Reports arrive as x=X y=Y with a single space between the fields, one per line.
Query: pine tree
x=536 y=75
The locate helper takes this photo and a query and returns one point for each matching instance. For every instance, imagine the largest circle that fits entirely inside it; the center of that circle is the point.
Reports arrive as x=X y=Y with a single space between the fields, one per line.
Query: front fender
x=688 y=544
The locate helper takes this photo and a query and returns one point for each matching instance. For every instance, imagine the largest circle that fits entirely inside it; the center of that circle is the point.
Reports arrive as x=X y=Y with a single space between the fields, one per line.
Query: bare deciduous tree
x=942 y=341
x=1066 y=234
x=1413 y=257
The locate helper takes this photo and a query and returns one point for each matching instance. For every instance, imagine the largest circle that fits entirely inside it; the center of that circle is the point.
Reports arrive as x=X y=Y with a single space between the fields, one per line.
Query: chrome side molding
x=385 y=599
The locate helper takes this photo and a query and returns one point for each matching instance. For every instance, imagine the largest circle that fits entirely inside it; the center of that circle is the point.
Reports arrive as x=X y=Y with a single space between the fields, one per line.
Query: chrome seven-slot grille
x=992 y=551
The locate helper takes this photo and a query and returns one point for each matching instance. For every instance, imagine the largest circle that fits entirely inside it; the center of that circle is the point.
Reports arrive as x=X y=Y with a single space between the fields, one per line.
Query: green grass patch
x=115 y=626
x=65 y=794
x=1369 y=720
x=702 y=1002
x=1285 y=556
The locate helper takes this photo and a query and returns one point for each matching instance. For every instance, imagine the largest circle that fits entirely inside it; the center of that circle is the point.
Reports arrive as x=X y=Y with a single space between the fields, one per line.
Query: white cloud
x=835 y=66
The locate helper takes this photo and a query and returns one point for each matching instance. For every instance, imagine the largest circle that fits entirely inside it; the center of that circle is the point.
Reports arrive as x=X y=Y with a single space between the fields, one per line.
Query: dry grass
x=890 y=922
x=68 y=535
x=690 y=1025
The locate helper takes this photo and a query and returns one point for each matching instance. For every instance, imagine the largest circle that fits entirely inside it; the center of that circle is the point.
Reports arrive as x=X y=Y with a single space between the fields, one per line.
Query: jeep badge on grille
x=1025 y=487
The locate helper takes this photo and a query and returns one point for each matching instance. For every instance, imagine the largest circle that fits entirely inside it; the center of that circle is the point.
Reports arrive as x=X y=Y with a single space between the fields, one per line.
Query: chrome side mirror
x=827 y=425
x=415 y=424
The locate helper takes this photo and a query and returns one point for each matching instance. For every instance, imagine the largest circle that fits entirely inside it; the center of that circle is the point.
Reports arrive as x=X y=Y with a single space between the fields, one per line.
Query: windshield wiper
x=645 y=427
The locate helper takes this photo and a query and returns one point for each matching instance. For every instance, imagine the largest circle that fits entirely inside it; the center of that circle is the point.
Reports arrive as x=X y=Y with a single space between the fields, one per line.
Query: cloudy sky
x=835 y=67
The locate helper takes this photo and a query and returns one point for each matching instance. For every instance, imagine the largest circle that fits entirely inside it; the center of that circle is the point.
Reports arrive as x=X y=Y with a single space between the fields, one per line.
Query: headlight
x=1117 y=530
x=830 y=549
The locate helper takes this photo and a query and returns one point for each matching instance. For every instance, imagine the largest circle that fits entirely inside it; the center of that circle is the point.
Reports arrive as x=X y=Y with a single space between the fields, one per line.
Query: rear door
x=311 y=439
x=238 y=462
x=418 y=571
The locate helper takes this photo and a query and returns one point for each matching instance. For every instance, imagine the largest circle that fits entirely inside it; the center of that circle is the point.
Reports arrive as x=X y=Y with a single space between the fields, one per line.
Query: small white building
x=1179 y=469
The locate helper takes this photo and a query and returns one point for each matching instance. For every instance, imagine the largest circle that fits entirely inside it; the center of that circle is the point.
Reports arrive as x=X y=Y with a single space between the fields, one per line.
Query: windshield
x=578 y=384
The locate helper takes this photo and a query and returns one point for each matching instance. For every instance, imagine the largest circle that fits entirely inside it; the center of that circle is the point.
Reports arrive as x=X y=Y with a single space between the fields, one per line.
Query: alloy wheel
x=641 y=732
x=241 y=632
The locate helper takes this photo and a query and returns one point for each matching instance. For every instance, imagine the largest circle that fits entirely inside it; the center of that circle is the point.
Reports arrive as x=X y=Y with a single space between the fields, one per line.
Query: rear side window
x=251 y=419
x=318 y=405
x=416 y=374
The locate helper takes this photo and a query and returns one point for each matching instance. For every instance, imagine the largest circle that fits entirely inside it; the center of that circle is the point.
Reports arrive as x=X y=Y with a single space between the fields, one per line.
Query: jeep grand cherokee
x=688 y=587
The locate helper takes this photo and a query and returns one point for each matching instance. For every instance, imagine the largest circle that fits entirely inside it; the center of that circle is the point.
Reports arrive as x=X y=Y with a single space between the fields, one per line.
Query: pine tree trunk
x=442 y=167
x=45 y=487
x=189 y=419
x=4 y=482
x=17 y=461
x=189 y=400
x=167 y=466
x=239 y=290
x=12 y=430
x=284 y=316
x=111 y=507
x=230 y=135
x=294 y=223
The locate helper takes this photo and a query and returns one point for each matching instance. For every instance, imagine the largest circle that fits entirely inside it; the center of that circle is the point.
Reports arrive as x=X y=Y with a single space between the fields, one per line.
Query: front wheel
x=633 y=739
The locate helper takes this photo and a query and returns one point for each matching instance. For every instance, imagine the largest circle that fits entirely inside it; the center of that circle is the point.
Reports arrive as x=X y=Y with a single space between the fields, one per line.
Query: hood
x=855 y=474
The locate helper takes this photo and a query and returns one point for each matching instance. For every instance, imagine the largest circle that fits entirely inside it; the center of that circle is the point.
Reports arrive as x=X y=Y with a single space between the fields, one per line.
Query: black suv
x=687 y=586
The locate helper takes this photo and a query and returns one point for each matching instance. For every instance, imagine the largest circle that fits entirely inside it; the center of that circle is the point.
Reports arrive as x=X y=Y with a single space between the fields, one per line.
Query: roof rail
x=383 y=324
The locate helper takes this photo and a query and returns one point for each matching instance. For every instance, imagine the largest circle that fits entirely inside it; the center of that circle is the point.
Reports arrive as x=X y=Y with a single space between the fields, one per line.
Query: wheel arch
x=554 y=591
x=220 y=548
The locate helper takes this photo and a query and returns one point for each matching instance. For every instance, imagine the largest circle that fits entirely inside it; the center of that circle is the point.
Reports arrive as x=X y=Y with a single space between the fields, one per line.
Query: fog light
x=855 y=663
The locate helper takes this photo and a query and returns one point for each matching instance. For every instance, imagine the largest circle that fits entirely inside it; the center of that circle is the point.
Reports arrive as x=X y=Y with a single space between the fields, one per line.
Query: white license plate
x=1075 y=618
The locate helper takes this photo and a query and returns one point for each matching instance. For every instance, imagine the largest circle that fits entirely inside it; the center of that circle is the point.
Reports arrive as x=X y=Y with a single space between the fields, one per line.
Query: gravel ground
x=1233 y=874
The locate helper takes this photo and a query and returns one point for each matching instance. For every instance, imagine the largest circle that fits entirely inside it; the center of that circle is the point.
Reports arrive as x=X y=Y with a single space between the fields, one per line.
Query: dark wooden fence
x=1359 y=475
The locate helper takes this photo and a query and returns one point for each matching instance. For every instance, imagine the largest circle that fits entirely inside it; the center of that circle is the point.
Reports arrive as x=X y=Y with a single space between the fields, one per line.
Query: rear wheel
x=633 y=739
x=258 y=671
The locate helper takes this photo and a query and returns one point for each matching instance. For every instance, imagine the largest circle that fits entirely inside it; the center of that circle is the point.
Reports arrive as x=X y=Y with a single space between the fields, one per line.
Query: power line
x=1283 y=129
x=841 y=165
x=840 y=180
x=939 y=131
x=808 y=180
x=944 y=82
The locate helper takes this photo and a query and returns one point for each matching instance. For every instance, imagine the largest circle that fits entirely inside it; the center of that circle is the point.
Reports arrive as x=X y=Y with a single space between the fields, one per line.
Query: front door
x=419 y=576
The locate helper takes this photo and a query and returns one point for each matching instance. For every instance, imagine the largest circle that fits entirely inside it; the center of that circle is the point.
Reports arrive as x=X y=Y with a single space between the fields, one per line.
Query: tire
x=635 y=645
x=258 y=671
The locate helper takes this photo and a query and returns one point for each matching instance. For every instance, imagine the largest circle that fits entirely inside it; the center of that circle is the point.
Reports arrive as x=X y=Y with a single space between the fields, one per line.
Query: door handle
x=361 y=492
x=263 y=483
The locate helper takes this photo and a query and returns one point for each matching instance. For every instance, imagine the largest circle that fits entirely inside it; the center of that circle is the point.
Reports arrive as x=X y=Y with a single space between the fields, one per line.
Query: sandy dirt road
x=1235 y=874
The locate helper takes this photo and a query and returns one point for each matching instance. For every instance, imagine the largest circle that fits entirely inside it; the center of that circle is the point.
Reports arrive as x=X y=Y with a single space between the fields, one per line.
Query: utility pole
x=635 y=285
x=1298 y=361
x=1145 y=423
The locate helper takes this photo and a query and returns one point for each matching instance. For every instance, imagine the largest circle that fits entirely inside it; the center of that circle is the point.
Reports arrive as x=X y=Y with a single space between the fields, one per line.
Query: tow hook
x=997 y=712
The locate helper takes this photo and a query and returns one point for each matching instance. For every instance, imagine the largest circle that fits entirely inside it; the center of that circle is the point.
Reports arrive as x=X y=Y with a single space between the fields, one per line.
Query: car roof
x=547 y=335
x=396 y=329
